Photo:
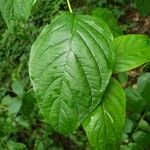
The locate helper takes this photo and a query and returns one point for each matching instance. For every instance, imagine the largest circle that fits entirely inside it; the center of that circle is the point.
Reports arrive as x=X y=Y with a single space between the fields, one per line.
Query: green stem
x=69 y=6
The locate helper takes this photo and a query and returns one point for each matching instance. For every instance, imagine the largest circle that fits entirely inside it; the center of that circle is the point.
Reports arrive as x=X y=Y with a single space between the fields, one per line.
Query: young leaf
x=131 y=52
x=15 y=12
x=107 y=16
x=143 y=6
x=144 y=87
x=70 y=66
x=104 y=126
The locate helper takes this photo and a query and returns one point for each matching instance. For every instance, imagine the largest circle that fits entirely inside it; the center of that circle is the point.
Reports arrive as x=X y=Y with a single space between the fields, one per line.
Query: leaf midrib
x=72 y=34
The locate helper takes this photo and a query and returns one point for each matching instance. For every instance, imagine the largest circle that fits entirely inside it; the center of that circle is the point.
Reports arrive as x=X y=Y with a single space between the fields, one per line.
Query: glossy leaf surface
x=104 y=126
x=70 y=67
x=131 y=51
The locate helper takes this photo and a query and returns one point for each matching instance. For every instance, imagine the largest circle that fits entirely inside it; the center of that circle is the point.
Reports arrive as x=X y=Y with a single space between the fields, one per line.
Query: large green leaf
x=104 y=126
x=15 y=12
x=143 y=6
x=107 y=16
x=70 y=67
x=131 y=52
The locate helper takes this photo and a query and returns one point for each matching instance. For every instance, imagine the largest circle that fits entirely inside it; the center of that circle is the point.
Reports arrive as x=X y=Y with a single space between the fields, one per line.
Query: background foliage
x=21 y=124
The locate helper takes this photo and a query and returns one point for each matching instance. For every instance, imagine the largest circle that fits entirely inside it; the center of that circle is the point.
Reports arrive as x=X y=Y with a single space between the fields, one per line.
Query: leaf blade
x=104 y=126
x=68 y=86
x=15 y=13
x=144 y=87
x=107 y=16
x=129 y=50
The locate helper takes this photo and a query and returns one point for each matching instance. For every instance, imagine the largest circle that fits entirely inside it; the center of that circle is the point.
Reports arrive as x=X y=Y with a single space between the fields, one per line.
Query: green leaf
x=107 y=16
x=144 y=125
x=131 y=146
x=124 y=137
x=13 y=104
x=39 y=145
x=17 y=87
x=135 y=102
x=128 y=126
x=12 y=145
x=144 y=87
x=131 y=51
x=123 y=78
x=70 y=66
x=142 y=138
x=143 y=7
x=15 y=13
x=105 y=125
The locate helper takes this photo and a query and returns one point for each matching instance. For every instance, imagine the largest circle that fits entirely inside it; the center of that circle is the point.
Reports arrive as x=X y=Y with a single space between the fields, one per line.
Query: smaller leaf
x=142 y=138
x=131 y=146
x=104 y=126
x=15 y=145
x=144 y=87
x=135 y=116
x=39 y=145
x=13 y=104
x=143 y=125
x=16 y=13
x=131 y=51
x=124 y=137
x=17 y=88
x=108 y=17
x=128 y=126
x=135 y=102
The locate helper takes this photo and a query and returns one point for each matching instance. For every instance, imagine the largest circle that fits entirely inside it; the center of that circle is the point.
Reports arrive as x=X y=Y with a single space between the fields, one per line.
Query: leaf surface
x=135 y=102
x=105 y=125
x=13 y=104
x=144 y=87
x=70 y=67
x=142 y=138
x=107 y=16
x=15 y=12
x=131 y=51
